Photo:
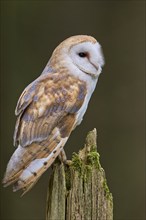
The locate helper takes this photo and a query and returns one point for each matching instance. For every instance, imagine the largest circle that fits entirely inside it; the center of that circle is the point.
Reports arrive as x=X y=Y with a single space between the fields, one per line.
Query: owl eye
x=82 y=54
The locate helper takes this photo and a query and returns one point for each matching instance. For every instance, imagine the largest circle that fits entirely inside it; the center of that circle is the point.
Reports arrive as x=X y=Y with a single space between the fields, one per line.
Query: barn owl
x=51 y=107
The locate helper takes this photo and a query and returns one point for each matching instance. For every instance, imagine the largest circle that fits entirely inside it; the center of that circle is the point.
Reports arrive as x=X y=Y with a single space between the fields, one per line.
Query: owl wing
x=46 y=114
x=43 y=104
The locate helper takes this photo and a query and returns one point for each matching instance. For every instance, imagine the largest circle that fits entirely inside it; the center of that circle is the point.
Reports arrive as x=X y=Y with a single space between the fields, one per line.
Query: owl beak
x=97 y=69
x=95 y=66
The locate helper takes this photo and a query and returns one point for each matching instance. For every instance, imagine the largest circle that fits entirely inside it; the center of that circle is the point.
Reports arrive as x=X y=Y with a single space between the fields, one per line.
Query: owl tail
x=27 y=164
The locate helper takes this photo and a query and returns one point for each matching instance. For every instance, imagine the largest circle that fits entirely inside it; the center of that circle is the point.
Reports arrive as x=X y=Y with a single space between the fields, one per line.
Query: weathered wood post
x=79 y=191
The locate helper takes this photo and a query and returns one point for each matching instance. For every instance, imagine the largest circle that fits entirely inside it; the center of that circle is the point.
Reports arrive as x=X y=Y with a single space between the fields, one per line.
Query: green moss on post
x=80 y=191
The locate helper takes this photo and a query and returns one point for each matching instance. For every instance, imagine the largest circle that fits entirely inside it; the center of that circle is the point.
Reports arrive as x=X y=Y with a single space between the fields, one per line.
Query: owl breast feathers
x=51 y=107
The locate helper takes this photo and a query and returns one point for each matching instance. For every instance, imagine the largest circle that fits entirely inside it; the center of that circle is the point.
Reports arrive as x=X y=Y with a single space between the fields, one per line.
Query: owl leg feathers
x=62 y=156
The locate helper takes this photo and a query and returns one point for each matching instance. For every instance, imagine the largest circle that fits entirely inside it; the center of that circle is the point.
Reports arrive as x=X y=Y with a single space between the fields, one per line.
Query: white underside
x=83 y=109
x=91 y=84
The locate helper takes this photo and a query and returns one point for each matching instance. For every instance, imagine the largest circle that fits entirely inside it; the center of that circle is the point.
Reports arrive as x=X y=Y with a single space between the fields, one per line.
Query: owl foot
x=62 y=157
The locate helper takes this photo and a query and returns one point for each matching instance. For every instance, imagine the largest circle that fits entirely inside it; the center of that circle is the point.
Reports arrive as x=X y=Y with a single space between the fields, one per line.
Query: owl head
x=81 y=55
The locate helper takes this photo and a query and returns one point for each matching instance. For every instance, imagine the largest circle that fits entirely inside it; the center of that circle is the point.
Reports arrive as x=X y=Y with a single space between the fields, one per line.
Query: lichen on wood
x=79 y=191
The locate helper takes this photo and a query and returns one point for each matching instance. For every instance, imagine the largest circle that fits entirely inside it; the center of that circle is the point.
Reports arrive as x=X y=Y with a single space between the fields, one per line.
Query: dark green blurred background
x=30 y=30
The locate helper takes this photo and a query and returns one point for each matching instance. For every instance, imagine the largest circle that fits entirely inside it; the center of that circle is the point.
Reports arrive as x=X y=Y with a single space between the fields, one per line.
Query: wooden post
x=79 y=191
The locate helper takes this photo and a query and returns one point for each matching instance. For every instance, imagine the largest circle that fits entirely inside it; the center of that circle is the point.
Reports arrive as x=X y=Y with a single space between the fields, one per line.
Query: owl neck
x=70 y=69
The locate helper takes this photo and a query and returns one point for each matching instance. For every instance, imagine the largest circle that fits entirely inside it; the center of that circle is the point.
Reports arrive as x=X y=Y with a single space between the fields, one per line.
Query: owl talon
x=62 y=157
x=68 y=162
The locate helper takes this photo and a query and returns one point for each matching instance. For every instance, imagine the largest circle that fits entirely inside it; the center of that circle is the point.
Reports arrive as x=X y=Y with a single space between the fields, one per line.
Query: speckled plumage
x=49 y=109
